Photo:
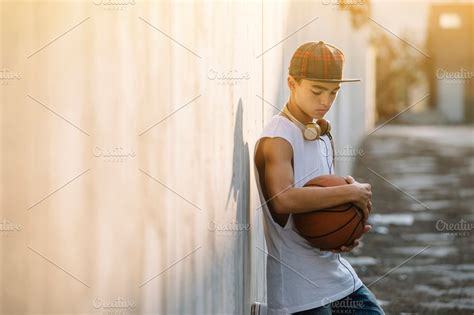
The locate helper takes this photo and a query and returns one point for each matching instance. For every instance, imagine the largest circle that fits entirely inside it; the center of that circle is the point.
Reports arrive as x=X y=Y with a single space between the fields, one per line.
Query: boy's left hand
x=343 y=249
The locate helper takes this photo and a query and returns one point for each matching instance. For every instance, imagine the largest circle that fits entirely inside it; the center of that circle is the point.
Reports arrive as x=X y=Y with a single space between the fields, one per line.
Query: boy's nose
x=324 y=105
x=325 y=101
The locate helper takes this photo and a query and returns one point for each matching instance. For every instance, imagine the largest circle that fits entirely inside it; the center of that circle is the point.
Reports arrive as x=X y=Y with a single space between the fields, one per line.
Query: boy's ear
x=291 y=83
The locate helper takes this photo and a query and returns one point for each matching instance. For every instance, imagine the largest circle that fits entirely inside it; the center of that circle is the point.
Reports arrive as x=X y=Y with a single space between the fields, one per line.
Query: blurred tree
x=359 y=10
x=399 y=68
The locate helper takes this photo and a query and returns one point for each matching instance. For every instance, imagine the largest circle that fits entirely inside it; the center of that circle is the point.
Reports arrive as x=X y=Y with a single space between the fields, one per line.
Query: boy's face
x=314 y=98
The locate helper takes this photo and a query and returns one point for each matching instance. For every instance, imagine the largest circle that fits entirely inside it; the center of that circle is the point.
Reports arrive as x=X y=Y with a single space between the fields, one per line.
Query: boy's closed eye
x=320 y=92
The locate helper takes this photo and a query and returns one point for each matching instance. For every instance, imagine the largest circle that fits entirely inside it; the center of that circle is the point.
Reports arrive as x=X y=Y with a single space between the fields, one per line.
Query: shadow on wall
x=239 y=191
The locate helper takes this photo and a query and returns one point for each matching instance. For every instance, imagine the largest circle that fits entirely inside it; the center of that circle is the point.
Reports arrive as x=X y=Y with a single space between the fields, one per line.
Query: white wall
x=142 y=228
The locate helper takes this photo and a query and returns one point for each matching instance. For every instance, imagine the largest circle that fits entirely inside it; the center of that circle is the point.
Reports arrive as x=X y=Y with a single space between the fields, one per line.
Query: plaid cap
x=318 y=62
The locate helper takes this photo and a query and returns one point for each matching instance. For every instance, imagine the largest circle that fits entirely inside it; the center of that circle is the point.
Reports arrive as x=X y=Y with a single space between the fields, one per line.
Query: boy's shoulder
x=279 y=124
x=281 y=133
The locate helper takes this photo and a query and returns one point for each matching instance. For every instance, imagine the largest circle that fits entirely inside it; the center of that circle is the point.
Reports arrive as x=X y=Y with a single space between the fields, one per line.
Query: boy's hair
x=298 y=80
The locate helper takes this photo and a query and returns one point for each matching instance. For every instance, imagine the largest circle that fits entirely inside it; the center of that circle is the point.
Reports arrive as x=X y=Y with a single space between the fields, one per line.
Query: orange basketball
x=333 y=227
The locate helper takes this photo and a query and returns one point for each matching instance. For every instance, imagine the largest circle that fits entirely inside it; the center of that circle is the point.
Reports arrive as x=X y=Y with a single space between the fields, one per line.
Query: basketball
x=330 y=228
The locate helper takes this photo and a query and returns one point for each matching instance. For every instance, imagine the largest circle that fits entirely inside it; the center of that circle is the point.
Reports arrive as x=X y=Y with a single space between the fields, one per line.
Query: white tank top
x=300 y=277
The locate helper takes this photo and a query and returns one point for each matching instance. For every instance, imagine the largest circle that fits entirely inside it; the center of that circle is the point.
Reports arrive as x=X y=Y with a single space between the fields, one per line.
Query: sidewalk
x=419 y=258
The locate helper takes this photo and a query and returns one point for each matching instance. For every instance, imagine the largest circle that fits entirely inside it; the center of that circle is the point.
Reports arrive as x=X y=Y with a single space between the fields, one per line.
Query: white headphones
x=311 y=131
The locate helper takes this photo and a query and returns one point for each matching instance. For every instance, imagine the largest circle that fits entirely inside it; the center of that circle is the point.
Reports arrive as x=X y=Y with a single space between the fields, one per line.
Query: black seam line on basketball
x=351 y=234
x=320 y=236
x=343 y=210
x=353 y=231
x=352 y=205
x=313 y=237
x=314 y=185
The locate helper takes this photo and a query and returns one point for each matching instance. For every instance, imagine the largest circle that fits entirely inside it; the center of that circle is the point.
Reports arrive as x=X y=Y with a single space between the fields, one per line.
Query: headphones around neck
x=312 y=131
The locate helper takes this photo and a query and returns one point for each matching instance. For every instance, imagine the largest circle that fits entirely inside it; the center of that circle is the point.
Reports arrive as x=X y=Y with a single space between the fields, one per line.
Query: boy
x=290 y=151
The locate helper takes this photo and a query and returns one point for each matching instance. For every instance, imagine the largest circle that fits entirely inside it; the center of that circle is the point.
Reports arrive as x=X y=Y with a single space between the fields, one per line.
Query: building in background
x=450 y=45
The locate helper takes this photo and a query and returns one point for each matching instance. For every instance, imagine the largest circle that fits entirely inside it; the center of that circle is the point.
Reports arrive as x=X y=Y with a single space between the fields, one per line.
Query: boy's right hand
x=360 y=196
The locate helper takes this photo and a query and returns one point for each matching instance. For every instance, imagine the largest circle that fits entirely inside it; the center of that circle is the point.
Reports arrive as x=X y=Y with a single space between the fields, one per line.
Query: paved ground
x=423 y=216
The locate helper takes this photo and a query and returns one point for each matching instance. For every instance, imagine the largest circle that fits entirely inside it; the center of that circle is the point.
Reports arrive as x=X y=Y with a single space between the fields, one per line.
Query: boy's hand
x=349 y=179
x=344 y=249
x=362 y=201
x=361 y=196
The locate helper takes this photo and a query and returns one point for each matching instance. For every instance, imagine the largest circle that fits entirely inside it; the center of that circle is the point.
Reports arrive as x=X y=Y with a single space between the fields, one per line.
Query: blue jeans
x=360 y=302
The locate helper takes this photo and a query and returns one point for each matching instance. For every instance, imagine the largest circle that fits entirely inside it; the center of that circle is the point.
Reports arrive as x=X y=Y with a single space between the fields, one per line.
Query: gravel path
x=419 y=258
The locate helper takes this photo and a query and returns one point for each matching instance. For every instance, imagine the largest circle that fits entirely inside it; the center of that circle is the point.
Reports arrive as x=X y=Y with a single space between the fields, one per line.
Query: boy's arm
x=279 y=179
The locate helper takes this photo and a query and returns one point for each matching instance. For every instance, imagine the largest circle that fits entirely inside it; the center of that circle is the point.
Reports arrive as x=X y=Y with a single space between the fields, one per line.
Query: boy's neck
x=298 y=113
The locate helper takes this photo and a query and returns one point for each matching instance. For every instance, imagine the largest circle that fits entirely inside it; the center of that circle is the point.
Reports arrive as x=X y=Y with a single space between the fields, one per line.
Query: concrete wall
x=127 y=137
